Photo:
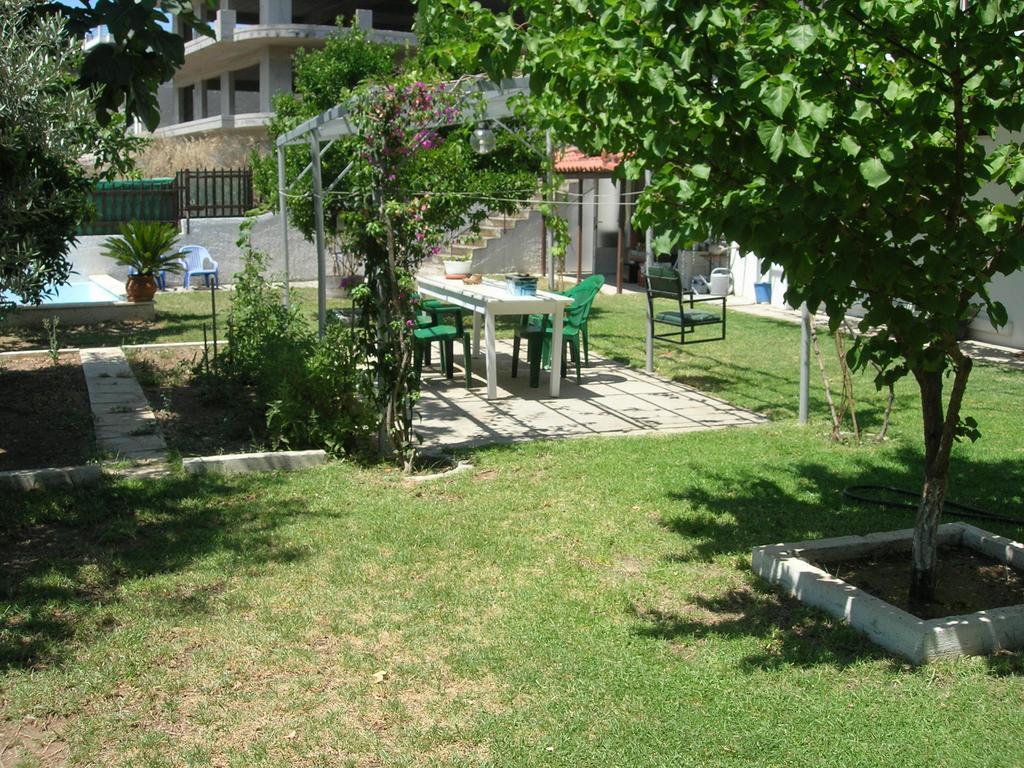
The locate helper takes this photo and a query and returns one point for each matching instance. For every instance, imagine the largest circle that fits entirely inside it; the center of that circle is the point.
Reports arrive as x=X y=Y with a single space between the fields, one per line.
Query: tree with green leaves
x=870 y=148
x=123 y=74
x=46 y=124
x=59 y=103
x=410 y=182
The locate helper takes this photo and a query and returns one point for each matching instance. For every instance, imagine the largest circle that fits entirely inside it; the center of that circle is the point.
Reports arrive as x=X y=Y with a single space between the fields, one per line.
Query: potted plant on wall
x=145 y=248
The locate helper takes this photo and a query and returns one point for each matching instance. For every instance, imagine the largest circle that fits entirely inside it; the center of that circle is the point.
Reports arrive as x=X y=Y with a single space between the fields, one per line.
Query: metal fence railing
x=191 y=194
x=214 y=193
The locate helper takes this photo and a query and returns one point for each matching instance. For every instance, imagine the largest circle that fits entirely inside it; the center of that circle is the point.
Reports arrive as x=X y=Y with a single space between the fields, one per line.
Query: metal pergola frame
x=492 y=103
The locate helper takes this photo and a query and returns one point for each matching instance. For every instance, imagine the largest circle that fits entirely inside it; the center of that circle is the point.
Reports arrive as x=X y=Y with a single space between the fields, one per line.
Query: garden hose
x=857 y=493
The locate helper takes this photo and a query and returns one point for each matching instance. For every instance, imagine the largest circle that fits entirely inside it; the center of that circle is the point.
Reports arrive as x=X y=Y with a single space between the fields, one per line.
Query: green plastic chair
x=539 y=334
x=430 y=330
x=593 y=283
x=441 y=311
x=444 y=336
x=586 y=286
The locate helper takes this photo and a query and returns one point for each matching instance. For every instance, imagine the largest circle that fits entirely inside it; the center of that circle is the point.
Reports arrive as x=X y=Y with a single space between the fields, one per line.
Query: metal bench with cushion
x=665 y=283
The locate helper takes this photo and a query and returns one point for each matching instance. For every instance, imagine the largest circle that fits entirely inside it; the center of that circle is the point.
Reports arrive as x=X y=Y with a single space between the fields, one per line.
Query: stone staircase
x=504 y=244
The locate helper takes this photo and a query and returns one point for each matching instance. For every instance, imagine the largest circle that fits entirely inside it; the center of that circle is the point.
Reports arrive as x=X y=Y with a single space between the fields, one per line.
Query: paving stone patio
x=611 y=400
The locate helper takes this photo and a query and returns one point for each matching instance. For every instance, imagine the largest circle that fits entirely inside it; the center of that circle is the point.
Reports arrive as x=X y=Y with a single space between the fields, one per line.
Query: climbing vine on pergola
x=380 y=217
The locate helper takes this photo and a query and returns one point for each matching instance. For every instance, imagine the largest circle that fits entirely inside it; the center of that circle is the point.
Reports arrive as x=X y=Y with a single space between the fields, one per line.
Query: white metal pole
x=805 y=361
x=548 y=234
x=318 y=216
x=282 y=198
x=648 y=263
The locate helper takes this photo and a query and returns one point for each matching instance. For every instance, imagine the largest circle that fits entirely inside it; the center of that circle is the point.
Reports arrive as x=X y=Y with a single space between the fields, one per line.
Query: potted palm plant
x=145 y=248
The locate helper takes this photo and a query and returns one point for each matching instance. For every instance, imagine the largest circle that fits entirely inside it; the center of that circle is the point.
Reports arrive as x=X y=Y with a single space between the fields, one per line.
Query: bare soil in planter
x=198 y=416
x=45 y=417
x=967 y=581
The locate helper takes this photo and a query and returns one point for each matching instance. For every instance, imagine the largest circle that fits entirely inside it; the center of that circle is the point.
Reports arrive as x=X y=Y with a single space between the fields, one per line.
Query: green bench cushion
x=694 y=317
x=436 y=333
x=436 y=305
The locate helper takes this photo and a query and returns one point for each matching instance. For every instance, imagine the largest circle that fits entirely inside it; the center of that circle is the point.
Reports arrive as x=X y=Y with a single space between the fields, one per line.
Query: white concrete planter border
x=896 y=630
x=242 y=463
x=228 y=464
x=49 y=477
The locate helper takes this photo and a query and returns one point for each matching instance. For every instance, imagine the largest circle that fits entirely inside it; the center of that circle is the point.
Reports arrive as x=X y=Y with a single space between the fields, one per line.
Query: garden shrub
x=311 y=389
x=266 y=339
x=323 y=403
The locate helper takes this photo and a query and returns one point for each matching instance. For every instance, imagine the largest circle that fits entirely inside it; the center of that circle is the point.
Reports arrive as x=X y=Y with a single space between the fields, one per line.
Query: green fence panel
x=117 y=202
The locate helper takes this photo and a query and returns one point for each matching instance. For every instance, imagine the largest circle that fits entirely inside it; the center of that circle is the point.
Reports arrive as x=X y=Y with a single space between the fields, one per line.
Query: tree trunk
x=929 y=509
x=939 y=434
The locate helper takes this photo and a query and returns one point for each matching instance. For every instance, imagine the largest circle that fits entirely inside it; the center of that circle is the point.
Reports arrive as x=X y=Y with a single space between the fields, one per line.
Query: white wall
x=517 y=250
x=218 y=236
x=1008 y=289
x=746 y=271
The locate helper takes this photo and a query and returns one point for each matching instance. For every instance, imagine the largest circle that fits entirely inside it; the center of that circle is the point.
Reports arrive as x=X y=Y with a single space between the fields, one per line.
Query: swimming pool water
x=81 y=293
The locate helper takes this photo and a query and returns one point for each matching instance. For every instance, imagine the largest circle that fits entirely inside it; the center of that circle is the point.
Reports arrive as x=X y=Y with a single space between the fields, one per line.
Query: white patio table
x=487 y=300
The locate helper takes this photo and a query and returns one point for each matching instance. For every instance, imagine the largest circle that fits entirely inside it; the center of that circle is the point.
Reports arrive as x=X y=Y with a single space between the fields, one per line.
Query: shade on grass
x=577 y=603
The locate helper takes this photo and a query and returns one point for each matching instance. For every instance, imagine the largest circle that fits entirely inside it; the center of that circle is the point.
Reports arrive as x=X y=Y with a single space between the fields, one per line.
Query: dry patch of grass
x=33 y=741
x=165 y=157
x=356 y=697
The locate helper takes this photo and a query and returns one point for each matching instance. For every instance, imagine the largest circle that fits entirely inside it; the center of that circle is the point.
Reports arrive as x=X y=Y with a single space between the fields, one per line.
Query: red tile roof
x=573 y=161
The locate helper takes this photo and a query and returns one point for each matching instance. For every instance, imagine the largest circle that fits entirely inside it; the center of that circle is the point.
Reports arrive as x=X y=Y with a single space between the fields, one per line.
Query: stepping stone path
x=125 y=424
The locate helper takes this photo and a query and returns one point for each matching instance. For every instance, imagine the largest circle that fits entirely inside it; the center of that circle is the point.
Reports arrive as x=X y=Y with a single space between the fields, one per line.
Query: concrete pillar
x=165 y=98
x=275 y=76
x=227 y=94
x=364 y=19
x=275 y=11
x=172 y=116
x=224 y=25
x=199 y=100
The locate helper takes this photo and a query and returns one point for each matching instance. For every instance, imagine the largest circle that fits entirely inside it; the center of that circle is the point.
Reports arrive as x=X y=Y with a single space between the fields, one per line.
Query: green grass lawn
x=576 y=603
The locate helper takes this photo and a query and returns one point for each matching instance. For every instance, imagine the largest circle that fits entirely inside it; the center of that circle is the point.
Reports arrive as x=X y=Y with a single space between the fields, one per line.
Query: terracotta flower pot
x=140 y=288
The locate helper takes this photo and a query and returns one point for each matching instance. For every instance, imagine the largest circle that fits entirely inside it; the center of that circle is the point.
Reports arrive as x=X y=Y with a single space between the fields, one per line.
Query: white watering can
x=721 y=281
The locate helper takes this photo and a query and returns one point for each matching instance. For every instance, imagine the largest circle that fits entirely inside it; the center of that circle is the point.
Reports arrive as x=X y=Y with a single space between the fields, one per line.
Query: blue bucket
x=763 y=293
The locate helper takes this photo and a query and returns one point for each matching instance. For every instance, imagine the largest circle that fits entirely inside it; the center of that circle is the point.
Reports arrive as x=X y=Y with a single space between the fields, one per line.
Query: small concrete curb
x=49 y=477
x=897 y=631
x=242 y=463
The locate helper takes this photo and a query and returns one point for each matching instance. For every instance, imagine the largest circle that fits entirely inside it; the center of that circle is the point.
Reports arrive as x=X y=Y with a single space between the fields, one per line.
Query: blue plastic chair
x=198 y=261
